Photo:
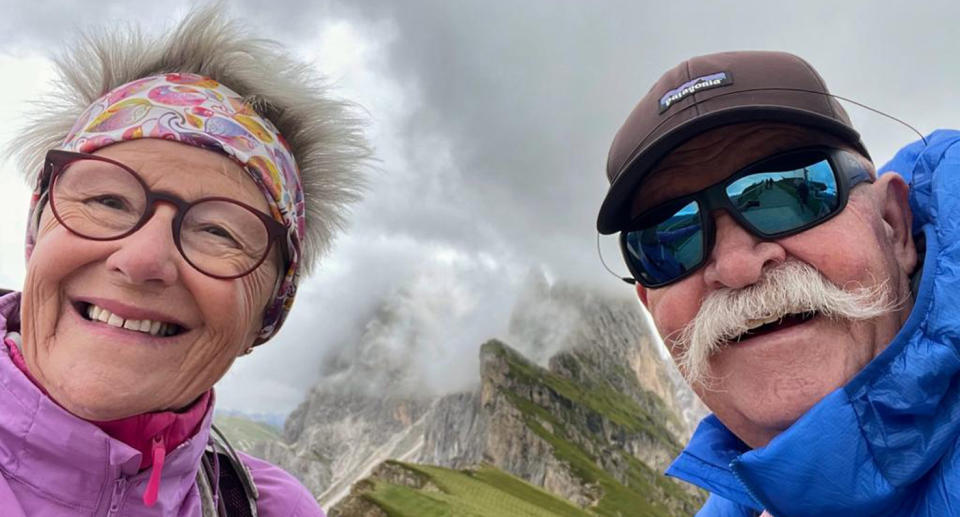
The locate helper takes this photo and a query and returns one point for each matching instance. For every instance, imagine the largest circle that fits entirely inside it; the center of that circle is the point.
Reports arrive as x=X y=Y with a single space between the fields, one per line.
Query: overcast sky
x=491 y=121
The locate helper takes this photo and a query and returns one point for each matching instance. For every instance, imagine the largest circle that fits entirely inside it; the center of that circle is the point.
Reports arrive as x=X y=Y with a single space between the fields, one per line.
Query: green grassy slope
x=482 y=492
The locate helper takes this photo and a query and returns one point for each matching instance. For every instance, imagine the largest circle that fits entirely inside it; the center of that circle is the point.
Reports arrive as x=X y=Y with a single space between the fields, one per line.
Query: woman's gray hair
x=324 y=133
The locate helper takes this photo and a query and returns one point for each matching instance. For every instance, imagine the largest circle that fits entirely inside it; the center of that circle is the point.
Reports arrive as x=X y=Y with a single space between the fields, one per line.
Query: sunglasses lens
x=787 y=199
x=668 y=247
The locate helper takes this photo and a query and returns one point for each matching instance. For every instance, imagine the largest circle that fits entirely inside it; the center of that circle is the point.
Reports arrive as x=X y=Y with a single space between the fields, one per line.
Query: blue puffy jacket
x=886 y=444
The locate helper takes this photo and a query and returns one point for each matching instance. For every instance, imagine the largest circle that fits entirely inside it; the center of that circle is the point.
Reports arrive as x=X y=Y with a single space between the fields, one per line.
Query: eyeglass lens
x=100 y=200
x=666 y=250
x=772 y=202
x=775 y=202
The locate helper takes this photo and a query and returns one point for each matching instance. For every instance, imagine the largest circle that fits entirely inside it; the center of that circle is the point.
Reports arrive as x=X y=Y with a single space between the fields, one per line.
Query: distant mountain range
x=586 y=434
x=244 y=432
x=272 y=420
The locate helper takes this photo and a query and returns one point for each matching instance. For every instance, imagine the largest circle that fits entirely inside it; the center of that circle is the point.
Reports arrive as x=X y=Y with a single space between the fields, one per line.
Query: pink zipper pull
x=159 y=453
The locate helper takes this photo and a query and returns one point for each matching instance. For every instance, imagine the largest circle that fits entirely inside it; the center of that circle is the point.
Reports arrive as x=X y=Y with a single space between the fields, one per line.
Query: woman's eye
x=113 y=202
x=221 y=233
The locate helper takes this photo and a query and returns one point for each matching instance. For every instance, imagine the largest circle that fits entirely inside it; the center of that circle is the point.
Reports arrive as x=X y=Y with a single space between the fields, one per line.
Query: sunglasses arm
x=626 y=279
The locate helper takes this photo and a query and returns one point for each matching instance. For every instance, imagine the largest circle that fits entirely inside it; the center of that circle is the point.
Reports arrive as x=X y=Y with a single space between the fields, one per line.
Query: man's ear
x=642 y=294
x=894 y=205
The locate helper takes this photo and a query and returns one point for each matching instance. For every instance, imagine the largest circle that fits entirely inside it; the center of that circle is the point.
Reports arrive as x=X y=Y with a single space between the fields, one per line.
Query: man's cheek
x=663 y=319
x=672 y=311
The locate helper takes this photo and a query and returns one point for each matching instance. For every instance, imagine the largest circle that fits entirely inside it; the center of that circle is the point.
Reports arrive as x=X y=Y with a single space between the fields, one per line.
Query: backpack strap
x=225 y=484
x=208 y=506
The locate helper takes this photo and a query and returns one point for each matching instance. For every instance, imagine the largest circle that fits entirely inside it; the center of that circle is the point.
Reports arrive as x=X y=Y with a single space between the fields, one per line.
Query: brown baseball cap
x=710 y=91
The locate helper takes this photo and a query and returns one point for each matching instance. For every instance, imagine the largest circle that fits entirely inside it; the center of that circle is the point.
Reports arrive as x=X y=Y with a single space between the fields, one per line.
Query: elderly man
x=809 y=302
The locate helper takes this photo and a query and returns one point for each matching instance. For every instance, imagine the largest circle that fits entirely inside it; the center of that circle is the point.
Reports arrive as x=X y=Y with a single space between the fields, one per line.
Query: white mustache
x=791 y=287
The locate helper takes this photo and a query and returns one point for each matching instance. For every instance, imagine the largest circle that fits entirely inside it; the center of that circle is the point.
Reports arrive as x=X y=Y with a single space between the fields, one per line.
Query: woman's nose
x=738 y=256
x=149 y=255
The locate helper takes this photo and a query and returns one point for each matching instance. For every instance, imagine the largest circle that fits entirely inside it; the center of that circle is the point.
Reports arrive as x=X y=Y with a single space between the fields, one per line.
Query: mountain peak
x=582 y=403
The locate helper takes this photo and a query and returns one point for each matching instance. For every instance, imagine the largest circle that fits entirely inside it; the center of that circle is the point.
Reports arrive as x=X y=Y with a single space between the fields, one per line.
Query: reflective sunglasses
x=101 y=199
x=778 y=196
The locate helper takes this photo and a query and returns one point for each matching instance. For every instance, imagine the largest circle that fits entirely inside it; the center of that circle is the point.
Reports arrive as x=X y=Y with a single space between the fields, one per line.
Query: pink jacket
x=55 y=464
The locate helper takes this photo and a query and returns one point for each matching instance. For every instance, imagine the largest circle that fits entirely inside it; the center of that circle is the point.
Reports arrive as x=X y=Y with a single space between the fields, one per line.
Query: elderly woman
x=182 y=186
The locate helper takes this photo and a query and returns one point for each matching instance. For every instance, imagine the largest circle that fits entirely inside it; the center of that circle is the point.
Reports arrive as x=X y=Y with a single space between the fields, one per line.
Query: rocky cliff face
x=595 y=427
x=612 y=341
x=597 y=441
x=455 y=431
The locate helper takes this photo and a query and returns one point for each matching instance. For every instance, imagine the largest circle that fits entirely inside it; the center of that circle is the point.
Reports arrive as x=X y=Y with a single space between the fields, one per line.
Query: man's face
x=762 y=384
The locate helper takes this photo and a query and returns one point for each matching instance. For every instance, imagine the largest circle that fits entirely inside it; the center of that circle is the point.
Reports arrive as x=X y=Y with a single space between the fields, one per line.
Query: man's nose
x=738 y=256
x=149 y=255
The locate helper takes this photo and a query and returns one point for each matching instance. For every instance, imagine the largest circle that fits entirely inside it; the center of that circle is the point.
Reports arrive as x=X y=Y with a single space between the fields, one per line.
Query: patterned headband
x=201 y=112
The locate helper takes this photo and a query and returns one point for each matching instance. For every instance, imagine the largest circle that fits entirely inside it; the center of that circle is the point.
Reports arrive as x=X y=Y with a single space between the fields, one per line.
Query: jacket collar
x=706 y=459
x=48 y=449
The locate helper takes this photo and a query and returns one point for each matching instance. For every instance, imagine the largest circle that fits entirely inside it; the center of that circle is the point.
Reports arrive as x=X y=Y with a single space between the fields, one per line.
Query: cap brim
x=614 y=210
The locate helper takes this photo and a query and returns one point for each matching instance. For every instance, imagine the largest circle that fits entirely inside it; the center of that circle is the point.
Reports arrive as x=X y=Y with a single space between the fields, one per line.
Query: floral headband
x=201 y=112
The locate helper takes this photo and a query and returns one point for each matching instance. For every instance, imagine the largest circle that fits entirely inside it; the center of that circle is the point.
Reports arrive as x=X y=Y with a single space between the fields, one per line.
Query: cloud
x=27 y=72
x=507 y=111
x=492 y=122
x=524 y=99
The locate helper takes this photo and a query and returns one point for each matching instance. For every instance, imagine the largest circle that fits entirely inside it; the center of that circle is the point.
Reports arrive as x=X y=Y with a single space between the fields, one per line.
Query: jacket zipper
x=119 y=488
x=753 y=495
x=158 y=452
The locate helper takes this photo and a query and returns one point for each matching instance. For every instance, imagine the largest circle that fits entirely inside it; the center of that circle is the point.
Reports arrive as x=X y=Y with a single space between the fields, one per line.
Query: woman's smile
x=115 y=314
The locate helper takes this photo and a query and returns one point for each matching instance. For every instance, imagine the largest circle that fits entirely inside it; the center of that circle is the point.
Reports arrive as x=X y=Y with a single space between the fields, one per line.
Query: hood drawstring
x=159 y=453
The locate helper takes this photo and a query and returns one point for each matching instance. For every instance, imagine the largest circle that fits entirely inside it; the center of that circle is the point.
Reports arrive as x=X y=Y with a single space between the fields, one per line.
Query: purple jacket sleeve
x=281 y=495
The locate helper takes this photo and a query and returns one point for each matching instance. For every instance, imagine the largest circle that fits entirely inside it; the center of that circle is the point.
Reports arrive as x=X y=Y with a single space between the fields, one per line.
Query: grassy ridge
x=643 y=491
x=641 y=495
x=600 y=399
x=482 y=492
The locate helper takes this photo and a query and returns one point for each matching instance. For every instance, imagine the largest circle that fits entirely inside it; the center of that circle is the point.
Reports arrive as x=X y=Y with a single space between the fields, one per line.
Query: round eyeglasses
x=101 y=199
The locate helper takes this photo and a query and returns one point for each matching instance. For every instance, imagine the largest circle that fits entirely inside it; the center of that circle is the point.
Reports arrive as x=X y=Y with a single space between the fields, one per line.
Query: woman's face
x=102 y=372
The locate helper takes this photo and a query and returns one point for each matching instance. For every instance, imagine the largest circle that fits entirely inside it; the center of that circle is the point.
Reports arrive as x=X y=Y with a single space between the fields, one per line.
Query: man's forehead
x=712 y=156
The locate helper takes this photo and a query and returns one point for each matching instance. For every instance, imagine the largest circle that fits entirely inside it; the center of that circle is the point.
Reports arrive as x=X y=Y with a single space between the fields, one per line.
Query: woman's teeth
x=154 y=328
